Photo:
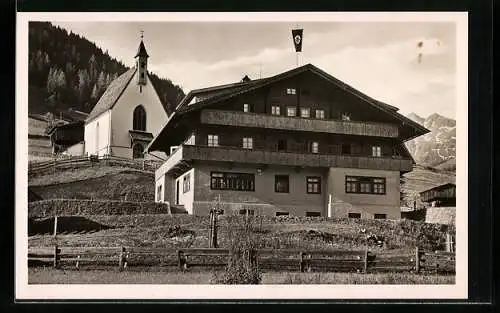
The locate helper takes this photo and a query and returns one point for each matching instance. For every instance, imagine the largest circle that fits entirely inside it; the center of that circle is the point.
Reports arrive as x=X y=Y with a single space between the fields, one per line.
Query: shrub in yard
x=242 y=266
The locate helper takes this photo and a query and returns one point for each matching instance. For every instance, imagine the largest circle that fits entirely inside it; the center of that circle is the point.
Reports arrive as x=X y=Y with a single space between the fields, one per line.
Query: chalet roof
x=439 y=187
x=112 y=94
x=232 y=90
x=38 y=117
x=255 y=84
x=75 y=115
x=64 y=125
x=141 y=51
x=215 y=90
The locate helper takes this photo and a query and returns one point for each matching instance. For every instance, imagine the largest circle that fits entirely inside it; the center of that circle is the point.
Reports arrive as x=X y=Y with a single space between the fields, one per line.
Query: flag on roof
x=297 y=35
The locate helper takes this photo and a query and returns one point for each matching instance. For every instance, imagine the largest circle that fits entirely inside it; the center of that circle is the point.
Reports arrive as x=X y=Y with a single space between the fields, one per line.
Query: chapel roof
x=112 y=94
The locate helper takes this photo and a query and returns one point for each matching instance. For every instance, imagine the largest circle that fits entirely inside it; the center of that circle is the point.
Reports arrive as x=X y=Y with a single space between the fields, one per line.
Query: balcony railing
x=245 y=119
x=187 y=153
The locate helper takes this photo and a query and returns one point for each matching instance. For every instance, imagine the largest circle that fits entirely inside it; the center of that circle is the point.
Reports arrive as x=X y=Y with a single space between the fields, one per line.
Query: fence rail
x=63 y=163
x=360 y=261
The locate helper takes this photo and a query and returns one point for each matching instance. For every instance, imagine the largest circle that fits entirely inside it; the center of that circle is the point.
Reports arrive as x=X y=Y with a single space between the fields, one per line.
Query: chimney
x=245 y=79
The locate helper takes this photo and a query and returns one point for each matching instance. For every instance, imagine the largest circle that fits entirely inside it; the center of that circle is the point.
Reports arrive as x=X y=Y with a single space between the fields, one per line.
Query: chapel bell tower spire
x=141 y=62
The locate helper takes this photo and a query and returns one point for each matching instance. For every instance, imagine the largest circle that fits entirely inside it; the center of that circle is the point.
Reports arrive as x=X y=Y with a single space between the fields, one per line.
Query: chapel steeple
x=142 y=62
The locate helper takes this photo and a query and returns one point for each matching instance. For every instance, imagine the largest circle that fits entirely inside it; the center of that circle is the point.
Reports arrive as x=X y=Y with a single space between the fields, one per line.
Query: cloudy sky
x=378 y=58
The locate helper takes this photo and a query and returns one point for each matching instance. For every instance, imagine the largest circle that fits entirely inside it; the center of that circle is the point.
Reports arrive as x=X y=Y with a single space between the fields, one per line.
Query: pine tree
x=94 y=94
x=51 y=84
x=61 y=80
x=101 y=82
x=92 y=68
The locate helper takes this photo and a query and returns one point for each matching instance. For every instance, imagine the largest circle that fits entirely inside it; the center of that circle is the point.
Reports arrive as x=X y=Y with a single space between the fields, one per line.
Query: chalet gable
x=227 y=92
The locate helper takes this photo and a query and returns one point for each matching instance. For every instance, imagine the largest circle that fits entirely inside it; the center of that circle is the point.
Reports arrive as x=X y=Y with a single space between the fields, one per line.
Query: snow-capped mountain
x=437 y=148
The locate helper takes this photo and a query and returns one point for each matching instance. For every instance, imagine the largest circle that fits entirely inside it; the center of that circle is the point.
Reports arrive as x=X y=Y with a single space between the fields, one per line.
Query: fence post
x=365 y=267
x=214 y=245
x=55 y=225
x=417 y=260
x=182 y=260
x=120 y=262
x=301 y=265
x=56 y=256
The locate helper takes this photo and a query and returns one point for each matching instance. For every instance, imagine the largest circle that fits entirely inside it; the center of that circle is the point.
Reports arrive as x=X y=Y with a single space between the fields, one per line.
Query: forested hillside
x=68 y=71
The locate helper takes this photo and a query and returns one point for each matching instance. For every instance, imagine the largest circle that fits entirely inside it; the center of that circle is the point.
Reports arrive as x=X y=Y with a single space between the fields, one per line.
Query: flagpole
x=296 y=52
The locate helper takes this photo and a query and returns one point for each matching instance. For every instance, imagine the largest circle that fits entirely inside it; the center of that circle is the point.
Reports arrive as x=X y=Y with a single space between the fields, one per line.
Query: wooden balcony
x=244 y=119
x=185 y=154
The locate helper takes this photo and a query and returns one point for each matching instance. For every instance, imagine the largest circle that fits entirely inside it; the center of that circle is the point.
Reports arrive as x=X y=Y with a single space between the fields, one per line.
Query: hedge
x=67 y=207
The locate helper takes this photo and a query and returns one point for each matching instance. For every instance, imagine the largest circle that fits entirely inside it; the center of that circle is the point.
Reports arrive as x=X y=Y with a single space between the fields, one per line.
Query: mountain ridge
x=438 y=147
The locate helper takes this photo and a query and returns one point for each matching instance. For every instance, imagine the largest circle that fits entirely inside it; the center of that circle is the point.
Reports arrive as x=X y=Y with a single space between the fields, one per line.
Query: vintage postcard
x=241 y=156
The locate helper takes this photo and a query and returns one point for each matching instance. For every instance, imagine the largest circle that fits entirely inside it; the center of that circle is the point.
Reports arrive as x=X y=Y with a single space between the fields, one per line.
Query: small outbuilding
x=440 y=196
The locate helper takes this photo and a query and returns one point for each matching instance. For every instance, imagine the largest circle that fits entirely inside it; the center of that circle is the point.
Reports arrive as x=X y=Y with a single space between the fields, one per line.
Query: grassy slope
x=309 y=233
x=100 y=182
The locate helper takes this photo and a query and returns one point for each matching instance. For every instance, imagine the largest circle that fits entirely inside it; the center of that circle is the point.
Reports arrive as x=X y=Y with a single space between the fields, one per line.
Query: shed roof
x=439 y=187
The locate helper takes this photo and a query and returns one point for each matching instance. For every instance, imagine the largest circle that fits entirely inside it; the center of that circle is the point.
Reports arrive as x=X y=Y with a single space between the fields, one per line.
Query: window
x=304 y=112
x=379 y=186
x=379 y=216
x=313 y=184
x=282 y=213
x=354 y=215
x=346 y=148
x=247 y=212
x=139 y=120
x=275 y=110
x=360 y=184
x=346 y=117
x=281 y=145
x=376 y=151
x=137 y=151
x=314 y=147
x=173 y=149
x=247 y=143
x=158 y=193
x=232 y=181
x=281 y=184
x=246 y=107
x=186 y=183
x=313 y=214
x=320 y=113
x=213 y=140
x=291 y=91
x=290 y=111
x=143 y=64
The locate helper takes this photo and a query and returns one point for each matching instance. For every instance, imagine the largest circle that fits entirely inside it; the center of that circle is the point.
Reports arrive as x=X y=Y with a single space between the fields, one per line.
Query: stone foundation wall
x=441 y=215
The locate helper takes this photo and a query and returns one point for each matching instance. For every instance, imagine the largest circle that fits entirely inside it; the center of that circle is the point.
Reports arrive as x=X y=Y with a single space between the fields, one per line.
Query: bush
x=242 y=264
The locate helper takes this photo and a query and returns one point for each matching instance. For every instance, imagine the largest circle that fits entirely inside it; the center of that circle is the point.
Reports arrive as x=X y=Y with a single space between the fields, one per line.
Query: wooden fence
x=35 y=168
x=359 y=261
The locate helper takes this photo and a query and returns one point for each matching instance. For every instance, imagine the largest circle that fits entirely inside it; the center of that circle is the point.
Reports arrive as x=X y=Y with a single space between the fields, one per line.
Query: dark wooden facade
x=66 y=135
